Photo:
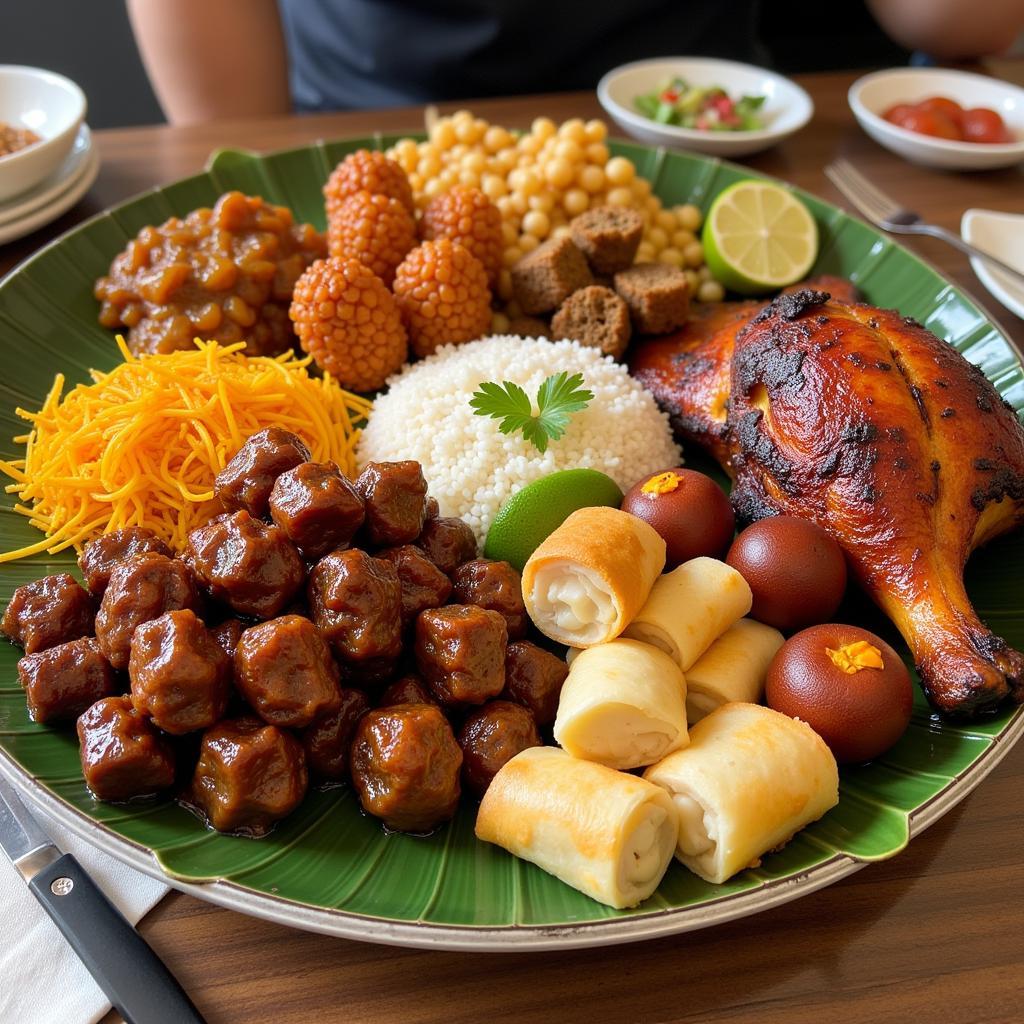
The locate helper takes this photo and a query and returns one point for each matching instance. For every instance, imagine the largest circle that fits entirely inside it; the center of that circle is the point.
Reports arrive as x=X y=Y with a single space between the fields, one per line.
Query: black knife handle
x=133 y=977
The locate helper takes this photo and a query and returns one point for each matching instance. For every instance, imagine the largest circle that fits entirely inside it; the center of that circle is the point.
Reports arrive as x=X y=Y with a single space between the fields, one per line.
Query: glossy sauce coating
x=140 y=590
x=180 y=675
x=328 y=740
x=405 y=766
x=395 y=497
x=250 y=566
x=490 y=737
x=447 y=542
x=247 y=481
x=423 y=583
x=317 y=507
x=63 y=681
x=494 y=585
x=99 y=556
x=123 y=755
x=534 y=678
x=249 y=775
x=460 y=652
x=409 y=689
x=48 y=612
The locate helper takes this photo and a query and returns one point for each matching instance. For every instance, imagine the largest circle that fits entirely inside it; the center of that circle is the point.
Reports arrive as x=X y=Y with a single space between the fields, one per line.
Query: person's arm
x=951 y=29
x=209 y=59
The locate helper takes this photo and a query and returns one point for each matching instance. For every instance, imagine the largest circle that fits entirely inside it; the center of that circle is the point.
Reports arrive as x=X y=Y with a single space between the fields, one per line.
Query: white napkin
x=42 y=981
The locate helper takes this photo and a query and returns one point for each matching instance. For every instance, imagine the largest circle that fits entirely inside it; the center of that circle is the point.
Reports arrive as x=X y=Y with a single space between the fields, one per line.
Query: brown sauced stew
x=225 y=274
x=13 y=139
x=358 y=665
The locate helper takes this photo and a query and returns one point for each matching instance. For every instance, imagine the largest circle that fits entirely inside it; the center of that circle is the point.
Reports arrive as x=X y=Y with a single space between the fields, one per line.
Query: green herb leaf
x=558 y=398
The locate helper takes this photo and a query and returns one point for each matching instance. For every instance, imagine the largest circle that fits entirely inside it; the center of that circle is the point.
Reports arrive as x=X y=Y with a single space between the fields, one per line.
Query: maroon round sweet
x=847 y=684
x=688 y=509
x=795 y=570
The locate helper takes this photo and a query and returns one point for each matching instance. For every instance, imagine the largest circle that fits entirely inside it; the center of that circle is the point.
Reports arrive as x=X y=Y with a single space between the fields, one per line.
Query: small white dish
x=50 y=211
x=48 y=104
x=75 y=163
x=786 y=110
x=1002 y=235
x=871 y=96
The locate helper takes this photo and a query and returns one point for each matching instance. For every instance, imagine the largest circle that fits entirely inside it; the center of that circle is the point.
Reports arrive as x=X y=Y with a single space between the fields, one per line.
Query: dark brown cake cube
x=48 y=612
x=608 y=236
x=100 y=556
x=62 y=682
x=249 y=775
x=423 y=584
x=317 y=508
x=328 y=740
x=460 y=652
x=123 y=754
x=180 y=674
x=658 y=296
x=447 y=542
x=247 y=480
x=595 y=317
x=496 y=586
x=407 y=690
x=395 y=494
x=543 y=279
x=534 y=678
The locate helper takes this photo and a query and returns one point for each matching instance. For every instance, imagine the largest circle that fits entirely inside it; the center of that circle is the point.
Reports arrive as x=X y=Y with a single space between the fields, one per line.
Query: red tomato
x=984 y=125
x=896 y=114
x=928 y=122
x=945 y=106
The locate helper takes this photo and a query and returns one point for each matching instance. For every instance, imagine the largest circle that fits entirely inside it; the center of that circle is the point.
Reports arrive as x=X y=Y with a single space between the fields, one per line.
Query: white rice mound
x=470 y=466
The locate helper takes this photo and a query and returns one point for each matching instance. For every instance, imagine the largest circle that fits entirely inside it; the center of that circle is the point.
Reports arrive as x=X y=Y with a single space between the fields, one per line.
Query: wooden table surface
x=935 y=933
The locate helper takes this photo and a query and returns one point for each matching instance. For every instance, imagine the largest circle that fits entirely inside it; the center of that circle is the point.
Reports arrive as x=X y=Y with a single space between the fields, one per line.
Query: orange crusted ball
x=467 y=216
x=347 y=320
x=442 y=292
x=367 y=171
x=375 y=229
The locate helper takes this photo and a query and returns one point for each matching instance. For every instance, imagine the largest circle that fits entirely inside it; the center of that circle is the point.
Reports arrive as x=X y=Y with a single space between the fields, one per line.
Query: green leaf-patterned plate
x=329 y=867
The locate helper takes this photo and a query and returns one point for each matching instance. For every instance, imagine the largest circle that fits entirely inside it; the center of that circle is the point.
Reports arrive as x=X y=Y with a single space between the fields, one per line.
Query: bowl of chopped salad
x=713 y=106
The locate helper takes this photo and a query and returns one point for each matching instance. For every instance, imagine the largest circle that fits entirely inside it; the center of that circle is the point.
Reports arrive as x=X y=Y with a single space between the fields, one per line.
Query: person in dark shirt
x=227 y=58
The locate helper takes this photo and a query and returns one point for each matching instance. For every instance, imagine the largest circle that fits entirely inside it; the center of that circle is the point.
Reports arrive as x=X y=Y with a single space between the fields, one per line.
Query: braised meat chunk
x=460 y=652
x=180 y=675
x=247 y=481
x=405 y=766
x=423 y=584
x=250 y=566
x=356 y=602
x=447 y=542
x=101 y=555
x=317 y=507
x=534 y=678
x=48 y=612
x=395 y=496
x=494 y=585
x=123 y=754
x=284 y=669
x=328 y=740
x=140 y=590
x=249 y=775
x=227 y=635
x=409 y=689
x=490 y=737
x=62 y=681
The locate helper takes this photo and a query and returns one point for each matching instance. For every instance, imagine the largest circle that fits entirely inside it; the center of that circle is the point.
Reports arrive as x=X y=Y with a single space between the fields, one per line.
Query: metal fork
x=887 y=214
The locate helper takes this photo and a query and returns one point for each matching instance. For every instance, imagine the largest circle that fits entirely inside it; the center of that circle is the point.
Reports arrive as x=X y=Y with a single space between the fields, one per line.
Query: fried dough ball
x=348 y=321
x=376 y=229
x=366 y=170
x=467 y=216
x=442 y=293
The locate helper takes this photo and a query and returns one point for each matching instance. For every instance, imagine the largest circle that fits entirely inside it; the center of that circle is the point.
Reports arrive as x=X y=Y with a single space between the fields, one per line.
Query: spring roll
x=690 y=607
x=607 y=834
x=623 y=705
x=592 y=575
x=733 y=668
x=750 y=779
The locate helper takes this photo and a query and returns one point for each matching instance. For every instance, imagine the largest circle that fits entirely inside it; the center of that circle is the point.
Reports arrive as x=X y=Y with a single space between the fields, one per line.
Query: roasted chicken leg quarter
x=869 y=425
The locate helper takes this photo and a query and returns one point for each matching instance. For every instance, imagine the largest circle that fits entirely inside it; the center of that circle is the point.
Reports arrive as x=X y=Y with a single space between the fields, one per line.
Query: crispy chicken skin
x=866 y=423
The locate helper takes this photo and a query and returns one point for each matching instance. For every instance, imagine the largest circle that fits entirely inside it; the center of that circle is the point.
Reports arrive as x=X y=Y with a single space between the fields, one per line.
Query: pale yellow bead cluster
x=541 y=179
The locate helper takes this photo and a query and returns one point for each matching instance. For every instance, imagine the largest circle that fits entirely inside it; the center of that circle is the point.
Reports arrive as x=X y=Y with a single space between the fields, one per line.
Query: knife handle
x=131 y=975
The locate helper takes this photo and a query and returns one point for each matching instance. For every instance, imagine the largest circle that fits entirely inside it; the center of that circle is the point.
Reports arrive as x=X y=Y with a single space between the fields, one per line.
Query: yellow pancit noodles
x=142 y=444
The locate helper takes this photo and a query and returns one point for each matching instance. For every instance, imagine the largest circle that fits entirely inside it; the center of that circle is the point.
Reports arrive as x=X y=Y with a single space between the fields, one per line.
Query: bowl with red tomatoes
x=954 y=120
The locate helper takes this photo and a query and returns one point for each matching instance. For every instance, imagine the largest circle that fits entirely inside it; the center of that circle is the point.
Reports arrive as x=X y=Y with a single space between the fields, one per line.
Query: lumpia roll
x=607 y=834
x=750 y=779
x=592 y=575
x=690 y=607
x=622 y=705
x=733 y=668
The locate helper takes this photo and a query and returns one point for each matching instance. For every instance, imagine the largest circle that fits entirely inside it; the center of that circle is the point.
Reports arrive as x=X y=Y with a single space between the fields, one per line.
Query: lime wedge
x=759 y=237
x=535 y=512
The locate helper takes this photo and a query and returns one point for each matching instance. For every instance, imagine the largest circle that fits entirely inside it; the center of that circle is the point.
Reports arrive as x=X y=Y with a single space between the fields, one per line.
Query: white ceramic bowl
x=50 y=105
x=871 y=96
x=786 y=110
x=1002 y=235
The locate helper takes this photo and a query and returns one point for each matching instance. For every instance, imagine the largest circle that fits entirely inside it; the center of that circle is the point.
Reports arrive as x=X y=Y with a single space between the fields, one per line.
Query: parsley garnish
x=557 y=399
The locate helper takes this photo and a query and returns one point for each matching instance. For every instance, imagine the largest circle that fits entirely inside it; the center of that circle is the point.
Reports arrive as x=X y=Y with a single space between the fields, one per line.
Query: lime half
x=535 y=512
x=759 y=237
